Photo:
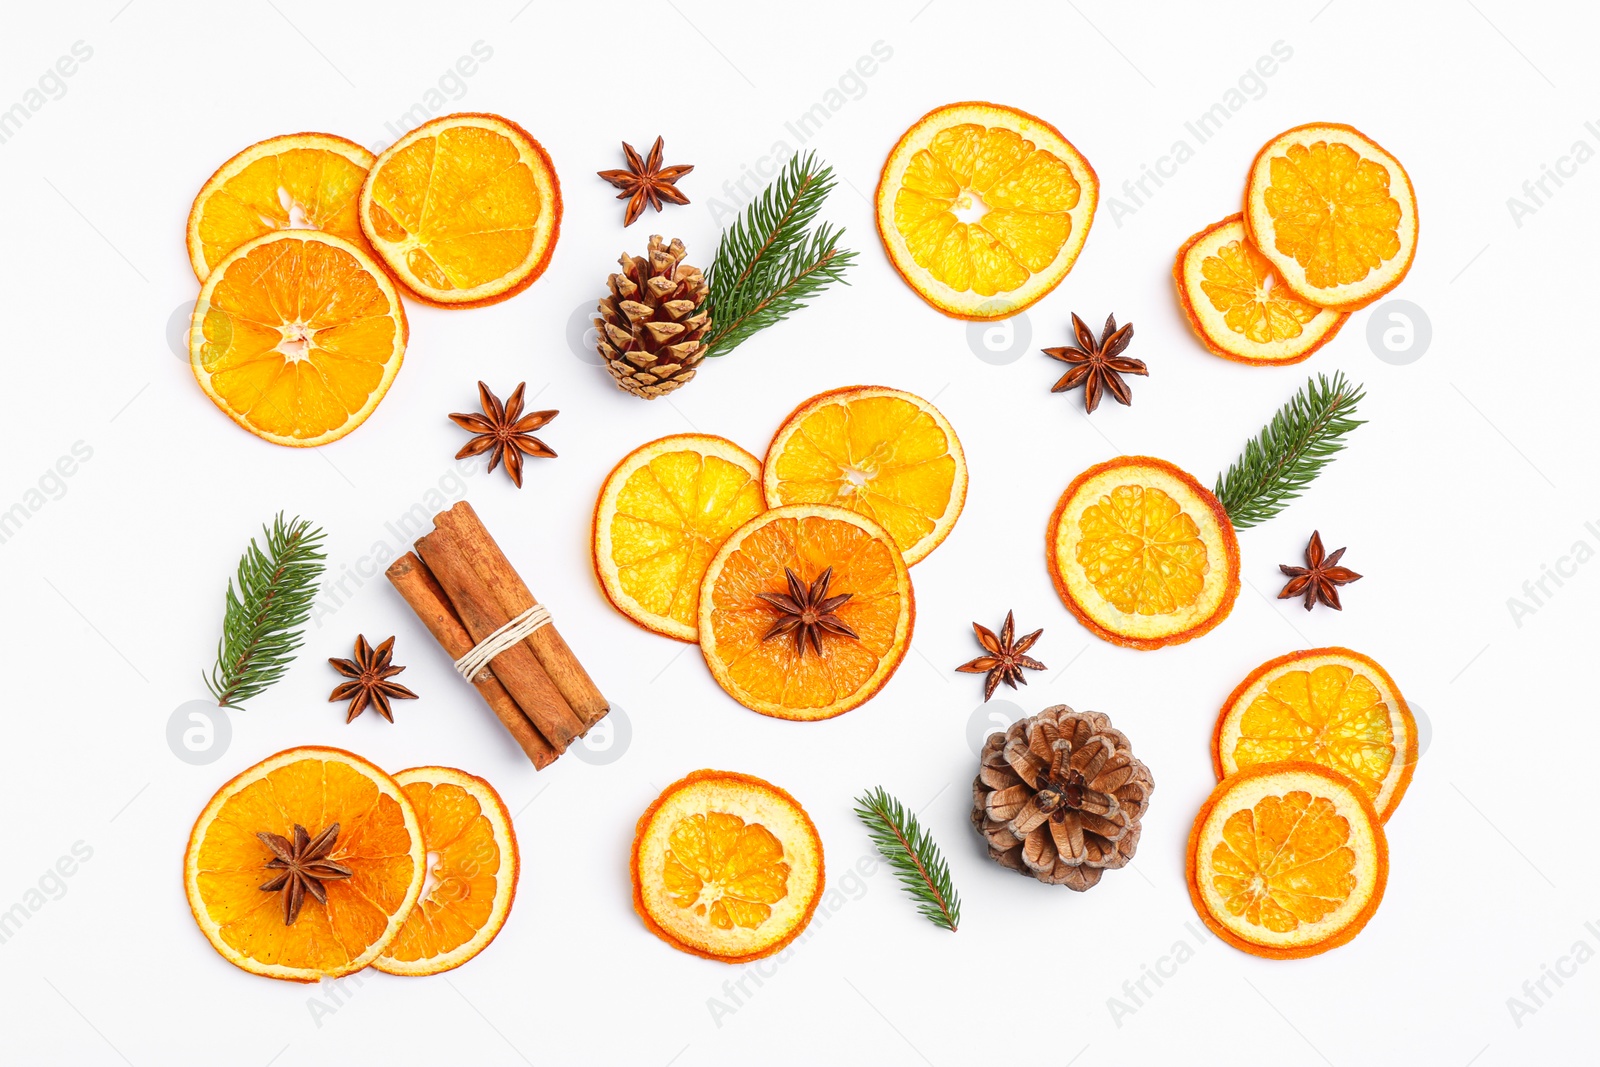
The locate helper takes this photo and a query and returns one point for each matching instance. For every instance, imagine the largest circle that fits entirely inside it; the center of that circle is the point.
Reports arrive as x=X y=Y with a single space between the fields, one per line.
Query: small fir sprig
x=916 y=860
x=273 y=596
x=769 y=264
x=1290 y=451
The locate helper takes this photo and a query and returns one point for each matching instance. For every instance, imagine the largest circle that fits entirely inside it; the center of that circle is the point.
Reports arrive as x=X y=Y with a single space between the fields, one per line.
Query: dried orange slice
x=1237 y=304
x=1287 y=860
x=983 y=209
x=379 y=842
x=787 y=676
x=472 y=870
x=465 y=209
x=726 y=866
x=1142 y=553
x=887 y=454
x=297 y=336
x=1334 y=213
x=1328 y=706
x=662 y=514
x=299 y=181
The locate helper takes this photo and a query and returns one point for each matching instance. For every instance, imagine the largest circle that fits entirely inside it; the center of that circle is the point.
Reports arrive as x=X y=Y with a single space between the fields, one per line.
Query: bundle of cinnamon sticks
x=464 y=589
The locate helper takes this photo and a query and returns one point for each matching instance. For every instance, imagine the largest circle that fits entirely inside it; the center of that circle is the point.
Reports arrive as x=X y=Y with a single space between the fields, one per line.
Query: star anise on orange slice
x=504 y=432
x=370 y=672
x=1003 y=658
x=1098 y=366
x=807 y=612
x=646 y=181
x=1320 y=578
x=305 y=867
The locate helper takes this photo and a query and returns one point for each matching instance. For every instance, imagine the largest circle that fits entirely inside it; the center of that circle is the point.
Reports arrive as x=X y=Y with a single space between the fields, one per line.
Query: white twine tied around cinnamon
x=510 y=635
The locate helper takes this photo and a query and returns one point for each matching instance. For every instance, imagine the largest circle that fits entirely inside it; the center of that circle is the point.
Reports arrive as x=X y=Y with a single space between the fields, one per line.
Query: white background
x=1472 y=475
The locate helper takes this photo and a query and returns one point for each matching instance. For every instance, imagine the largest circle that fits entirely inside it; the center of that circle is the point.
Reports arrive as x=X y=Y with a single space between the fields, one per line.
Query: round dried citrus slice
x=297 y=336
x=726 y=866
x=472 y=870
x=1328 y=706
x=1237 y=304
x=805 y=612
x=1334 y=213
x=662 y=514
x=983 y=209
x=300 y=181
x=365 y=858
x=1142 y=554
x=465 y=209
x=887 y=454
x=1287 y=860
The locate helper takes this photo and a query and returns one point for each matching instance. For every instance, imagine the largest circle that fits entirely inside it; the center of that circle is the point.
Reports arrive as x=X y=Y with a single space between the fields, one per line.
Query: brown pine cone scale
x=1059 y=796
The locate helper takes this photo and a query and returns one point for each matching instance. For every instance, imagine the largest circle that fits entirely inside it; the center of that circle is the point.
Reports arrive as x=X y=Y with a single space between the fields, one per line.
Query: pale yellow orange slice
x=662 y=514
x=884 y=453
x=983 y=209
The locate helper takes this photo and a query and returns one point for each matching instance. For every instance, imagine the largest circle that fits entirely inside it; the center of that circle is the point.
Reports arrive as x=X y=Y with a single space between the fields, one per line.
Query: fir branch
x=769 y=264
x=915 y=859
x=1290 y=451
x=274 y=594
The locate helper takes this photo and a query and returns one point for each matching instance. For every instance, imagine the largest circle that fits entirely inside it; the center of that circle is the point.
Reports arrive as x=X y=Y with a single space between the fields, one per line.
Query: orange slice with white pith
x=465 y=209
x=662 y=514
x=983 y=209
x=1142 y=553
x=1287 y=860
x=1237 y=304
x=726 y=866
x=378 y=844
x=300 y=181
x=1329 y=706
x=1334 y=213
x=836 y=552
x=884 y=453
x=297 y=335
x=472 y=870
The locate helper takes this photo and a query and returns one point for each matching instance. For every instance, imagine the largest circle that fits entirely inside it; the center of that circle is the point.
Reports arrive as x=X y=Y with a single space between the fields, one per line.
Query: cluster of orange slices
x=419 y=877
x=726 y=866
x=1329 y=225
x=303 y=245
x=694 y=537
x=1313 y=752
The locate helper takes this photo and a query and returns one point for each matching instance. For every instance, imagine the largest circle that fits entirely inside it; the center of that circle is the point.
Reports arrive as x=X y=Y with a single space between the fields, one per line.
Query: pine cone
x=650 y=335
x=1059 y=796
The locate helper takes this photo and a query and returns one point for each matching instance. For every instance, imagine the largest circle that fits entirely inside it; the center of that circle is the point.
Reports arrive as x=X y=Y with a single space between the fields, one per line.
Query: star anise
x=1003 y=659
x=371 y=670
x=807 y=612
x=1320 y=578
x=305 y=867
x=504 y=432
x=1098 y=365
x=645 y=181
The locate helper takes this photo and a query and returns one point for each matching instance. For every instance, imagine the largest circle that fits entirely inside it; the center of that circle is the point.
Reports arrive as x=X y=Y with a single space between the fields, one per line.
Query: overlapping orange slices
x=465 y=209
x=983 y=209
x=1142 y=553
x=378 y=847
x=726 y=866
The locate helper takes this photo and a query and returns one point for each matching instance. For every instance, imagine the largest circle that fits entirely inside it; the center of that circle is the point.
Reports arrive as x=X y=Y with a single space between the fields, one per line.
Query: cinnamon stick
x=417 y=585
x=513 y=598
x=517 y=668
